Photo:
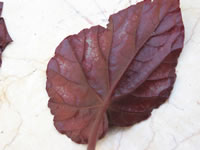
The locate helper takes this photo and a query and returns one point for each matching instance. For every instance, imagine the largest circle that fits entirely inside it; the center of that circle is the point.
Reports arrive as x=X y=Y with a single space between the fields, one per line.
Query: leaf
x=4 y=36
x=115 y=76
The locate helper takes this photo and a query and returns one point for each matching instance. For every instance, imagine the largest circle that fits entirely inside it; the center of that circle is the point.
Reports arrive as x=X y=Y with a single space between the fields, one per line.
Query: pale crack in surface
x=28 y=60
x=11 y=102
x=78 y=13
x=120 y=139
x=14 y=79
x=186 y=139
x=16 y=135
x=18 y=127
x=193 y=31
x=100 y=9
x=153 y=136
x=175 y=106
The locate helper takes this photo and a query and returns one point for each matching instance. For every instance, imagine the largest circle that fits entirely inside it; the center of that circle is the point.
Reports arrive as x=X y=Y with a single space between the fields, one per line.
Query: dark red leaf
x=4 y=36
x=115 y=76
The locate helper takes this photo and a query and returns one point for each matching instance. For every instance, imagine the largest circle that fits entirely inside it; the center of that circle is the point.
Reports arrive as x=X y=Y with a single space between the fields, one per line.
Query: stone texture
x=37 y=27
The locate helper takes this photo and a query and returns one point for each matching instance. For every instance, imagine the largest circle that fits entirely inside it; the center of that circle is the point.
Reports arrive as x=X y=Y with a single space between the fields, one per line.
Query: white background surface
x=37 y=27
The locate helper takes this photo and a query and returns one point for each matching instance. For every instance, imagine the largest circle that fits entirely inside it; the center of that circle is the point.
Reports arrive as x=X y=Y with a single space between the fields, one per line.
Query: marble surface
x=37 y=27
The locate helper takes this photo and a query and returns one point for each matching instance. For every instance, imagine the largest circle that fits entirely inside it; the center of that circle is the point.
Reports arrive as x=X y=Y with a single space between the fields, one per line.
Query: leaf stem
x=94 y=132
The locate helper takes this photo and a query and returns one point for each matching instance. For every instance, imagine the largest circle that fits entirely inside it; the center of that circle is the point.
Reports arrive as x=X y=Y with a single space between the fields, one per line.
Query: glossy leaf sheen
x=115 y=76
x=4 y=36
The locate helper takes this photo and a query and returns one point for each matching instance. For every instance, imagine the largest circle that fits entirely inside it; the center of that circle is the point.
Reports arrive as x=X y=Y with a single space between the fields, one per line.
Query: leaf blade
x=120 y=73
